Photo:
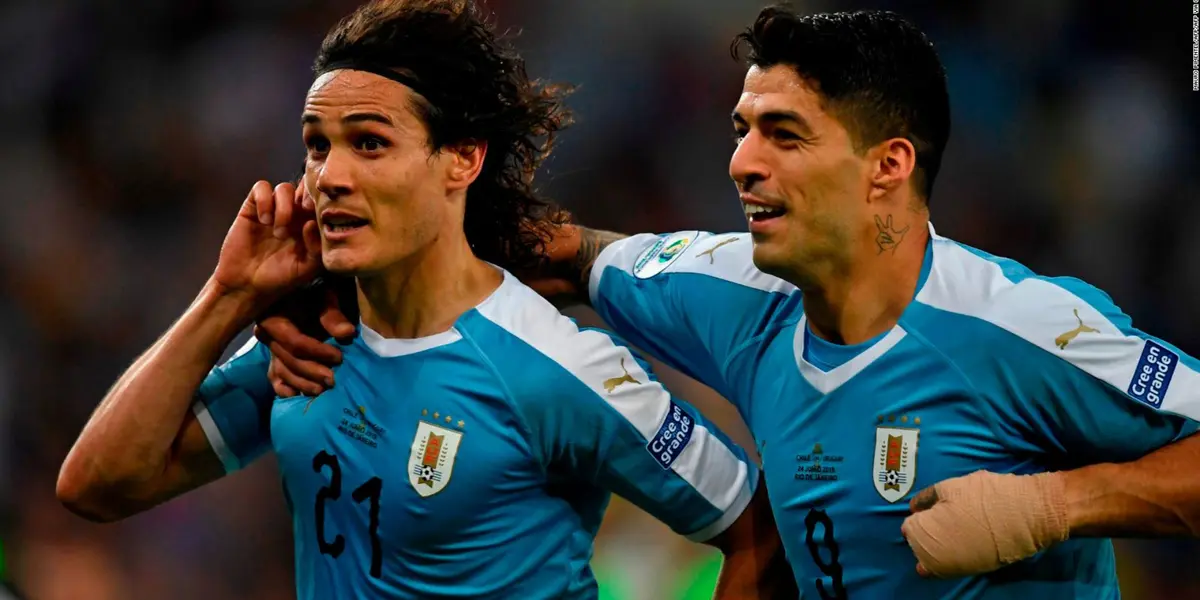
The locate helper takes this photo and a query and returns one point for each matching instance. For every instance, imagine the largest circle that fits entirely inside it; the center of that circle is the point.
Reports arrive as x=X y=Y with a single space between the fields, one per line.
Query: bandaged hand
x=983 y=521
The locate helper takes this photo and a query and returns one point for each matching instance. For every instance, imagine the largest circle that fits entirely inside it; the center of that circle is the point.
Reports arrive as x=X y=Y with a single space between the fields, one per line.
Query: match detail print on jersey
x=665 y=251
x=431 y=461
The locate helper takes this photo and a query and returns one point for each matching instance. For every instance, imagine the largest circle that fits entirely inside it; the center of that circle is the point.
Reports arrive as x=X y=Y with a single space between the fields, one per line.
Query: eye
x=785 y=135
x=371 y=143
x=316 y=144
x=738 y=135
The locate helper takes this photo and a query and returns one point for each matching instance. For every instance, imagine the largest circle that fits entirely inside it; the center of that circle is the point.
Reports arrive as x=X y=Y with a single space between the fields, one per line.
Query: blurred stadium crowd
x=134 y=130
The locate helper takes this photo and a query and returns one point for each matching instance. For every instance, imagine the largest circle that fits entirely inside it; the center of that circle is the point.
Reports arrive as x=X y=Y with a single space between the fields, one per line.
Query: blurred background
x=135 y=129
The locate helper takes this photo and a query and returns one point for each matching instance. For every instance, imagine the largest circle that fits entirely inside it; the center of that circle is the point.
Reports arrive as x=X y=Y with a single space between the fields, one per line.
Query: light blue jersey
x=476 y=463
x=990 y=367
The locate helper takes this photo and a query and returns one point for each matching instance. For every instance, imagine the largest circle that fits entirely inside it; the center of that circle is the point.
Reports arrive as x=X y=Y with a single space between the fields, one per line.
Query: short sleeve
x=618 y=427
x=1064 y=369
x=233 y=406
x=1109 y=392
x=692 y=299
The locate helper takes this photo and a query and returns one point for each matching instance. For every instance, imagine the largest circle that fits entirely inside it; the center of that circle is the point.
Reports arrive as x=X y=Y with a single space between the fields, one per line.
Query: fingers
x=279 y=329
x=282 y=364
x=262 y=197
x=312 y=239
x=302 y=204
x=953 y=539
x=924 y=500
x=274 y=206
x=334 y=320
x=306 y=199
x=284 y=200
x=282 y=389
x=305 y=375
x=914 y=536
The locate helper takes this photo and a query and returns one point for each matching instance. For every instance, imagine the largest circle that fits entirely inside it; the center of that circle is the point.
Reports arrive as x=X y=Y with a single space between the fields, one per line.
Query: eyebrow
x=310 y=118
x=776 y=117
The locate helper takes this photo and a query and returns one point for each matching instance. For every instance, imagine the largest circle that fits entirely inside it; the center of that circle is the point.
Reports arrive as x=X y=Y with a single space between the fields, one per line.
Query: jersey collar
x=828 y=381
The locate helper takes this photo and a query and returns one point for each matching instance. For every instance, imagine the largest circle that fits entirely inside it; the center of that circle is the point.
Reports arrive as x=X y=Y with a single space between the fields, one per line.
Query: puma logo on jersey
x=712 y=258
x=612 y=384
x=1064 y=339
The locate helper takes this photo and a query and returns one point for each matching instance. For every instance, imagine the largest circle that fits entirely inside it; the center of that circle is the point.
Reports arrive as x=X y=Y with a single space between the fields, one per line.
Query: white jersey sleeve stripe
x=725 y=256
x=213 y=433
x=706 y=464
x=1062 y=323
x=732 y=510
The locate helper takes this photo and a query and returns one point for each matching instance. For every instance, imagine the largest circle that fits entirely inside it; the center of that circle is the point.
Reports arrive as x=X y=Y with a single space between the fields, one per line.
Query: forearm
x=755 y=567
x=1157 y=495
x=572 y=254
x=128 y=440
x=760 y=575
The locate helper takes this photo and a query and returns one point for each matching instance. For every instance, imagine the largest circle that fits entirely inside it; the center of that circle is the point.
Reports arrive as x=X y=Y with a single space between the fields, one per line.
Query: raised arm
x=144 y=445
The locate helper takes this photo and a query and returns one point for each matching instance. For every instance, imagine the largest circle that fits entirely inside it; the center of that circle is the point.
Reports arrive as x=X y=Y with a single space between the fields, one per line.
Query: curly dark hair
x=471 y=86
x=875 y=71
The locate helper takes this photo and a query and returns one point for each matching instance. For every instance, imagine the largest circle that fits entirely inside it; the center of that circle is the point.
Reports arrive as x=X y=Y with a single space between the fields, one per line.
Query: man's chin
x=341 y=262
x=770 y=258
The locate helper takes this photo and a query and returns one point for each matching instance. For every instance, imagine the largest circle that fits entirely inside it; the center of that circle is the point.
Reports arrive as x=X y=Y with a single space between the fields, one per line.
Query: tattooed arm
x=571 y=254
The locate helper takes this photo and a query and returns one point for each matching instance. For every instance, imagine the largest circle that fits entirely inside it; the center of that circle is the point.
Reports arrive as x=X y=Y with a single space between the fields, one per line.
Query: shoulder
x=539 y=350
x=1010 y=296
x=727 y=257
x=1047 y=328
x=251 y=350
x=245 y=368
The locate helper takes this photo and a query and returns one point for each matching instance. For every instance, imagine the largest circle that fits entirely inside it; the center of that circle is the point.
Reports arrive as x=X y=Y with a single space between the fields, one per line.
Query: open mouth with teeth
x=757 y=213
x=342 y=224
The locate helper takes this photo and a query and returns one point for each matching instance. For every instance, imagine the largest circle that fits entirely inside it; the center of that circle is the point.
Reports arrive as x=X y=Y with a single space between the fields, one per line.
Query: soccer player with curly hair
x=475 y=434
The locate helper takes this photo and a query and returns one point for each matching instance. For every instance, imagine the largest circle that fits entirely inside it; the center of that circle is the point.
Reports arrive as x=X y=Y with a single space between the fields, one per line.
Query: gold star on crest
x=436 y=416
x=461 y=423
x=448 y=419
x=424 y=412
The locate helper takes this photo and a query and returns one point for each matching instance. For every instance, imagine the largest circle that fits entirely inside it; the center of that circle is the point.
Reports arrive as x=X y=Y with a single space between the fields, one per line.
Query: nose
x=335 y=174
x=747 y=166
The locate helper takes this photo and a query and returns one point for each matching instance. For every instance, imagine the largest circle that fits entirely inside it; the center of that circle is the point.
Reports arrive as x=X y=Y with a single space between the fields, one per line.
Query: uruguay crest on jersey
x=895 y=461
x=431 y=461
